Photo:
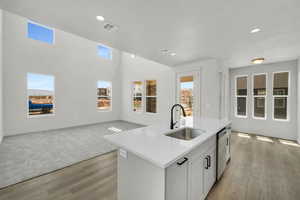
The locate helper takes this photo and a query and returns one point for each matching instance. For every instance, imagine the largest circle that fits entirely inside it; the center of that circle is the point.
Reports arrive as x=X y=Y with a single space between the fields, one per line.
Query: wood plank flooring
x=258 y=170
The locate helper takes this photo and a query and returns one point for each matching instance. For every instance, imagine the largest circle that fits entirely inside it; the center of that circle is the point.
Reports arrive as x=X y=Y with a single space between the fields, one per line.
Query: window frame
x=111 y=95
x=111 y=51
x=146 y=96
x=54 y=98
x=44 y=26
x=133 y=96
x=237 y=96
x=260 y=96
x=287 y=97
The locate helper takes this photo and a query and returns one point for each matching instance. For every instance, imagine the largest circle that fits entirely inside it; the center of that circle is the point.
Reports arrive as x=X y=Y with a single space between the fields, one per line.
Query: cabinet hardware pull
x=206 y=158
x=227 y=141
x=181 y=163
x=209 y=161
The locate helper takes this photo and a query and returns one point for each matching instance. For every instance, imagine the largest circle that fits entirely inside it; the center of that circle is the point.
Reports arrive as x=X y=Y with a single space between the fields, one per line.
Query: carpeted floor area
x=26 y=156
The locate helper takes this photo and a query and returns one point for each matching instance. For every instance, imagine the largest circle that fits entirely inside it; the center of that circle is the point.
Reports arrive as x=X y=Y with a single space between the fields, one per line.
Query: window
x=105 y=52
x=151 y=99
x=241 y=96
x=104 y=95
x=40 y=92
x=40 y=33
x=259 y=96
x=137 y=96
x=280 y=95
x=186 y=94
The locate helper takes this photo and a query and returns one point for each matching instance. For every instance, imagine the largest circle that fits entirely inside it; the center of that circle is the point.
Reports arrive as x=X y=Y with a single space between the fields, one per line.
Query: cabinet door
x=196 y=179
x=210 y=173
x=177 y=180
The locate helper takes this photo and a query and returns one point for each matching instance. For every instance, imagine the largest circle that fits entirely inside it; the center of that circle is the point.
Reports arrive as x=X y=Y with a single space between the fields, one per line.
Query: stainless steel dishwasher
x=223 y=149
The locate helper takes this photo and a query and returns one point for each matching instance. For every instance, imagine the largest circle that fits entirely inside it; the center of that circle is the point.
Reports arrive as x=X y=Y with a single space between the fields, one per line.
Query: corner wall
x=268 y=127
x=140 y=69
x=73 y=61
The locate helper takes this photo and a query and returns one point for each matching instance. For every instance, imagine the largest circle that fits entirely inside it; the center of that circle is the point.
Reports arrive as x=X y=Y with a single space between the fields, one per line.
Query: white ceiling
x=194 y=29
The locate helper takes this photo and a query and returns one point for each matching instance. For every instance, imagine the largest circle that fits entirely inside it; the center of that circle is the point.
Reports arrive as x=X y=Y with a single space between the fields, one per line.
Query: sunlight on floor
x=264 y=139
x=290 y=143
x=244 y=135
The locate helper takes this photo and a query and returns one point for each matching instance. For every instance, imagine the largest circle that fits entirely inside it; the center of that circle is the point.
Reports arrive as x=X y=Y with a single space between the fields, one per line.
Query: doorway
x=188 y=95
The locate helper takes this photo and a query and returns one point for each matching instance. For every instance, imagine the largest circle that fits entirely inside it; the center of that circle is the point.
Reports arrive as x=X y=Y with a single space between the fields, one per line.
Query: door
x=196 y=179
x=209 y=164
x=177 y=180
x=188 y=95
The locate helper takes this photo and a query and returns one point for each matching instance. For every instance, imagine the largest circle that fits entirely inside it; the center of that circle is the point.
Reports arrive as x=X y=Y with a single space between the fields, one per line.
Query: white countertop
x=150 y=143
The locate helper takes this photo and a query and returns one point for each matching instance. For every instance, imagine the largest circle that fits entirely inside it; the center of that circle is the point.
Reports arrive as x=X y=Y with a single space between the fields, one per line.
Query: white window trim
x=54 y=103
x=263 y=96
x=111 y=99
x=145 y=102
x=133 y=96
x=236 y=96
x=42 y=25
x=287 y=96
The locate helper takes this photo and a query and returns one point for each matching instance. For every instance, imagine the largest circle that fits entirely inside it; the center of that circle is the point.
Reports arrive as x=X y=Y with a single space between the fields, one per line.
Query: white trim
x=111 y=97
x=236 y=97
x=145 y=102
x=27 y=98
x=133 y=96
x=287 y=96
x=45 y=26
x=259 y=96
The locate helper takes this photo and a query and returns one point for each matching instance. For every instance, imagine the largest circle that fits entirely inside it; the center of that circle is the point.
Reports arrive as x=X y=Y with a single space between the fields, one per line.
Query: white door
x=177 y=180
x=210 y=170
x=188 y=95
x=196 y=179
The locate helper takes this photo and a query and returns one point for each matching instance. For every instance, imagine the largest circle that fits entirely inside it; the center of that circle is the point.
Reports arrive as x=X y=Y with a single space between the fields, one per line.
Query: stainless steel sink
x=185 y=133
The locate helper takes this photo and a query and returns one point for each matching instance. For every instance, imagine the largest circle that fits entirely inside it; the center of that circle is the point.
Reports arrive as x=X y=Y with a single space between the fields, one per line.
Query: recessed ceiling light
x=257 y=60
x=100 y=18
x=132 y=56
x=173 y=54
x=255 y=30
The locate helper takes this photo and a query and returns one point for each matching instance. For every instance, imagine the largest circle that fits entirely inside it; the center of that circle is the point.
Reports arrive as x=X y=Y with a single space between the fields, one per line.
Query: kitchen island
x=155 y=166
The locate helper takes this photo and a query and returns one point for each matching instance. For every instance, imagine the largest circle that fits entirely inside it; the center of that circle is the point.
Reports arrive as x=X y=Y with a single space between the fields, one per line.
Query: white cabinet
x=177 y=180
x=209 y=170
x=193 y=179
x=196 y=179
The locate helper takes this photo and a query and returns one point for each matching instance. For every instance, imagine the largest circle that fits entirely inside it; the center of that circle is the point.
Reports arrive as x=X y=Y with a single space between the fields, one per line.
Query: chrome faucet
x=172 y=124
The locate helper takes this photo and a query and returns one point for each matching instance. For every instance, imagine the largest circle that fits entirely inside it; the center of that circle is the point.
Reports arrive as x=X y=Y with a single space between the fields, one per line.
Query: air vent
x=110 y=27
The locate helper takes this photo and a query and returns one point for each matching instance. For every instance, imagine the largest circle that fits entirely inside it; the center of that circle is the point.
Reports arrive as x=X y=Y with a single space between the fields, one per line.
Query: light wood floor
x=258 y=171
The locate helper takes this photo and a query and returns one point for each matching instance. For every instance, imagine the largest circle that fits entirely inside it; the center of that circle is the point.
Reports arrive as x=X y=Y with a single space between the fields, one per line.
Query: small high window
x=280 y=95
x=40 y=91
x=104 y=95
x=137 y=96
x=259 y=96
x=40 y=33
x=241 y=96
x=151 y=98
x=104 y=52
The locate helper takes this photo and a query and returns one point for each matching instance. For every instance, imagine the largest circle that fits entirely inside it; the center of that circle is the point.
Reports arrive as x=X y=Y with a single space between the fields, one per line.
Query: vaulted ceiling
x=193 y=29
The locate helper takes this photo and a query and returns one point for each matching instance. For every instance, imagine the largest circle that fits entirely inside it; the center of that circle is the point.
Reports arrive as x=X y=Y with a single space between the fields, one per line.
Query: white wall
x=268 y=127
x=1 y=80
x=72 y=60
x=138 y=68
x=210 y=105
x=298 y=101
